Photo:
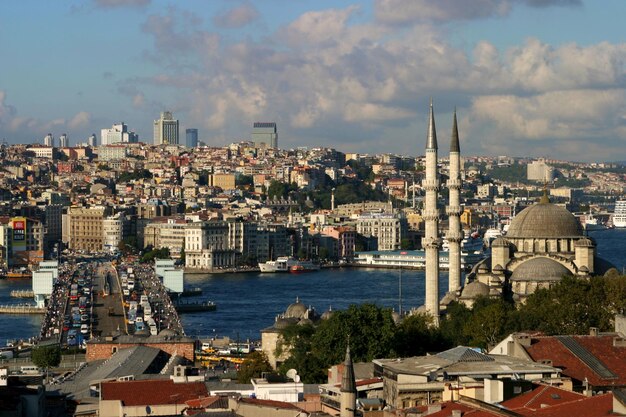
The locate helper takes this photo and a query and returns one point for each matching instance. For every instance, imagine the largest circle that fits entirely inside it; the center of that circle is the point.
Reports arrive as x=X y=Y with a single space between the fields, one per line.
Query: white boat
x=288 y=264
x=281 y=264
x=491 y=234
x=619 y=216
x=592 y=223
x=414 y=259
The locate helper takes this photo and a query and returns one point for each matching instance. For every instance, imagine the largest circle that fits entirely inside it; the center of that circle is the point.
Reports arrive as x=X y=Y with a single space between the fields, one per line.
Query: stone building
x=86 y=228
x=544 y=243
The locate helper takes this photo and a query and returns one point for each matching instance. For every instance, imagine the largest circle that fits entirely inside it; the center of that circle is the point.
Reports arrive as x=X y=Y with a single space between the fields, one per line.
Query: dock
x=22 y=309
x=22 y=294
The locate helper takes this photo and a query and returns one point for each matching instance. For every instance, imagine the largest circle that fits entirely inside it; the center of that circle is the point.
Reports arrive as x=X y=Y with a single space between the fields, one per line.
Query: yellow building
x=223 y=181
x=86 y=228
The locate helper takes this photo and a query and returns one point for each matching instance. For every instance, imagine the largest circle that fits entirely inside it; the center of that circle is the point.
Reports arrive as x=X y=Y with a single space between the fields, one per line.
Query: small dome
x=304 y=322
x=498 y=268
x=395 y=316
x=584 y=269
x=475 y=289
x=483 y=268
x=281 y=323
x=544 y=220
x=500 y=242
x=584 y=242
x=540 y=269
x=296 y=310
x=327 y=314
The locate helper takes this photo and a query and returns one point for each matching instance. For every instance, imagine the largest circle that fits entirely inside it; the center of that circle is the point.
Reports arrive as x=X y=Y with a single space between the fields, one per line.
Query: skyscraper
x=49 y=140
x=191 y=138
x=430 y=214
x=92 y=140
x=63 y=142
x=166 y=130
x=265 y=135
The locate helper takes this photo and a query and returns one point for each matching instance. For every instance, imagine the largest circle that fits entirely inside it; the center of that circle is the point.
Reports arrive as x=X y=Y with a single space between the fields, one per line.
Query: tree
x=253 y=366
x=46 y=357
x=415 y=336
x=407 y=244
x=488 y=323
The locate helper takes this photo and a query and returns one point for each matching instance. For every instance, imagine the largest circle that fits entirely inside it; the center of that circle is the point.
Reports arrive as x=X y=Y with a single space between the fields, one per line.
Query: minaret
x=430 y=243
x=348 y=388
x=455 y=235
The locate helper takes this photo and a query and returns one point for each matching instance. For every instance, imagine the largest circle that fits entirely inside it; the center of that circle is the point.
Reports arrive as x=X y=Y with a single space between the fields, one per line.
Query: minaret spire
x=430 y=214
x=348 y=387
x=455 y=234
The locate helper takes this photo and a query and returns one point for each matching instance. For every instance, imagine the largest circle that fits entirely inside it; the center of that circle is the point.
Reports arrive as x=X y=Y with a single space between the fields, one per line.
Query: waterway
x=247 y=303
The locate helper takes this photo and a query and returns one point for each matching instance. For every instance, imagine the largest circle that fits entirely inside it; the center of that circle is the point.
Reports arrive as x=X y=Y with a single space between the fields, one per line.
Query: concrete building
x=265 y=135
x=118 y=133
x=540 y=171
x=166 y=130
x=386 y=231
x=191 y=137
x=92 y=140
x=113 y=230
x=86 y=229
x=48 y=140
x=430 y=214
x=63 y=141
x=223 y=181
x=166 y=234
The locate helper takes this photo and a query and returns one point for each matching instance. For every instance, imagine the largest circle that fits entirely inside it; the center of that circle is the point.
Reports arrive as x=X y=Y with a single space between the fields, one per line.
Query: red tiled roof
x=467 y=410
x=152 y=392
x=600 y=405
x=541 y=396
x=202 y=402
x=269 y=403
x=550 y=348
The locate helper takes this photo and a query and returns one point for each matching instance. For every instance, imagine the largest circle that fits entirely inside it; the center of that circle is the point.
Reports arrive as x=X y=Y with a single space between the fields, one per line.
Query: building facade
x=166 y=130
x=265 y=135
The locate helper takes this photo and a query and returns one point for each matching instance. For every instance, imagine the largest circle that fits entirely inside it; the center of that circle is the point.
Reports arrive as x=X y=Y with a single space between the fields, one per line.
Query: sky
x=539 y=78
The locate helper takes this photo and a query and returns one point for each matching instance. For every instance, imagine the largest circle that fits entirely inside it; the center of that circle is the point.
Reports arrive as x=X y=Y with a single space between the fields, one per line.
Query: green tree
x=452 y=324
x=407 y=244
x=46 y=357
x=488 y=323
x=416 y=335
x=253 y=366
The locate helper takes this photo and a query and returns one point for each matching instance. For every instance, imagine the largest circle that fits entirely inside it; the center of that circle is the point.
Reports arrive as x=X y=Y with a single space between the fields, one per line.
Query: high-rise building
x=166 y=130
x=92 y=141
x=48 y=140
x=191 y=137
x=118 y=133
x=265 y=135
x=63 y=142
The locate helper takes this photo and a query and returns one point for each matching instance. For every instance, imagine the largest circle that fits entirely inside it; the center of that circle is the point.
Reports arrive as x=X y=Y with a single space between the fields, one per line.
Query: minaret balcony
x=453 y=210
x=431 y=242
x=454 y=184
x=430 y=214
x=430 y=185
x=454 y=237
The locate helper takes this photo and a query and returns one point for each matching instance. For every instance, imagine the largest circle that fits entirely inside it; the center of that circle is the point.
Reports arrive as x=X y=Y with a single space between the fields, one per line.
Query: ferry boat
x=619 y=216
x=194 y=306
x=592 y=223
x=413 y=259
x=288 y=264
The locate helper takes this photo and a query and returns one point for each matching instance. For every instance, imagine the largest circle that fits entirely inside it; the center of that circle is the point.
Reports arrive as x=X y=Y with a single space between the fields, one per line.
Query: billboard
x=19 y=233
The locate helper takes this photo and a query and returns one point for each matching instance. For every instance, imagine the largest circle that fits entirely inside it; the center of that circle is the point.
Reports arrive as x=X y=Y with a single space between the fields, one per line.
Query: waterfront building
x=25 y=241
x=165 y=233
x=265 y=135
x=166 y=130
x=431 y=241
x=385 y=231
x=191 y=137
x=544 y=243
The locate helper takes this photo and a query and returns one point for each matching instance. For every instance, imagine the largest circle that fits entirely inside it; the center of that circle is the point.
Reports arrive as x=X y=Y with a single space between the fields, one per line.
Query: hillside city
x=106 y=214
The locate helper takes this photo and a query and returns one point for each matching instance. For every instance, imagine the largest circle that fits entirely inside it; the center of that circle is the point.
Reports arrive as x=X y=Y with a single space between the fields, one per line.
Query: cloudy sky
x=528 y=77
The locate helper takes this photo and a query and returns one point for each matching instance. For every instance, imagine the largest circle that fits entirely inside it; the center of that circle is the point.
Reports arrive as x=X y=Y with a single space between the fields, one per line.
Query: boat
x=491 y=234
x=413 y=259
x=619 y=216
x=592 y=223
x=195 y=306
x=281 y=264
x=304 y=266
x=19 y=274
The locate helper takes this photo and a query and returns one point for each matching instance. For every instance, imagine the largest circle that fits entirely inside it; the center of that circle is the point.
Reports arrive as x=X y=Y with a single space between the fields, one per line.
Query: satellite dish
x=292 y=374
x=296 y=379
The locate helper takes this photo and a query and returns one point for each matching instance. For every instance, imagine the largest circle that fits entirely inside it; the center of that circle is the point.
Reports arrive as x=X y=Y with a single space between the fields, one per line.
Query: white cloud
x=121 y=3
x=80 y=120
x=237 y=17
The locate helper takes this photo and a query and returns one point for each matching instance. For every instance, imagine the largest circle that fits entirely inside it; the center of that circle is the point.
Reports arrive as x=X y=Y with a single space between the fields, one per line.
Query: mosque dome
x=475 y=289
x=296 y=310
x=327 y=314
x=584 y=242
x=544 y=220
x=500 y=242
x=540 y=269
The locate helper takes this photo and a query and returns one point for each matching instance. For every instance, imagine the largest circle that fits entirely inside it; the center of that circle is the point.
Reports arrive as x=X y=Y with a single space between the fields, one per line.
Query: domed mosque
x=544 y=243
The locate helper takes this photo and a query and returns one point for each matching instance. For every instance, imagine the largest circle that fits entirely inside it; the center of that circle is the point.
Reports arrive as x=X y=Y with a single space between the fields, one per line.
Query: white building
x=118 y=133
x=113 y=231
x=387 y=229
x=539 y=171
x=42 y=151
x=166 y=130
x=112 y=152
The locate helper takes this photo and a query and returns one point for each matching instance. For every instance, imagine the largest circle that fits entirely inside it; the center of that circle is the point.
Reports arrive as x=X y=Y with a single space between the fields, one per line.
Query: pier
x=22 y=294
x=22 y=309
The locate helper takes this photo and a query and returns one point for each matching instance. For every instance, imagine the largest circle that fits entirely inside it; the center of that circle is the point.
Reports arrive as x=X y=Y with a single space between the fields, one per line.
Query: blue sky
x=528 y=77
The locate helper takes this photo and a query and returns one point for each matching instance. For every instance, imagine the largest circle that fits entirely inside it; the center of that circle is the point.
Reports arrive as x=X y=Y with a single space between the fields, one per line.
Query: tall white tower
x=454 y=235
x=430 y=214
